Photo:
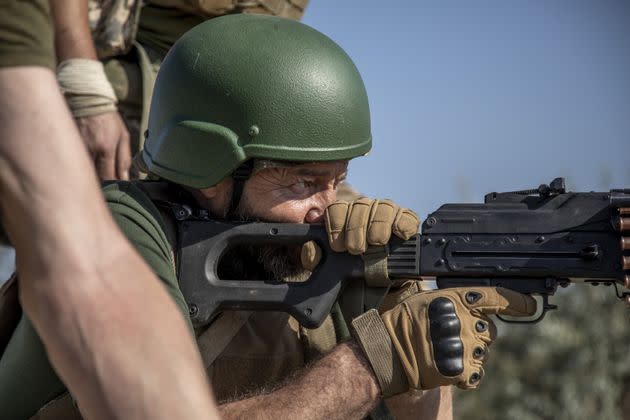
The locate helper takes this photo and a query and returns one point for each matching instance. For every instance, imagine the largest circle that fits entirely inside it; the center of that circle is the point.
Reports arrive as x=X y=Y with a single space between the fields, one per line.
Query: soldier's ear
x=210 y=192
x=219 y=190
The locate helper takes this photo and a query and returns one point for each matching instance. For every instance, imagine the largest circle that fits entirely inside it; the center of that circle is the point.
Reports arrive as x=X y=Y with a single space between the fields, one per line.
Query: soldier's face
x=295 y=194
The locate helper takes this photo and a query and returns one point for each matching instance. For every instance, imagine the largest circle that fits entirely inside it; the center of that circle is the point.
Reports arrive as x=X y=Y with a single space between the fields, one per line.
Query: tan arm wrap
x=372 y=336
x=85 y=86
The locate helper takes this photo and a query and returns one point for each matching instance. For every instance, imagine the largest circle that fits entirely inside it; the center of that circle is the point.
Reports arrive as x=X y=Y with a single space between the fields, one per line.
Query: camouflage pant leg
x=126 y=76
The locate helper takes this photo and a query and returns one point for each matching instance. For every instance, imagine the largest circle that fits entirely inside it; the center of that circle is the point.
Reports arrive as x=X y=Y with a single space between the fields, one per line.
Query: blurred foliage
x=573 y=365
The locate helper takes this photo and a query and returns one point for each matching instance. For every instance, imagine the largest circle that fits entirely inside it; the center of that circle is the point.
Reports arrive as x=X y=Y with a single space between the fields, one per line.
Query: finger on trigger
x=406 y=224
x=357 y=224
x=381 y=219
x=504 y=301
x=310 y=255
x=335 y=220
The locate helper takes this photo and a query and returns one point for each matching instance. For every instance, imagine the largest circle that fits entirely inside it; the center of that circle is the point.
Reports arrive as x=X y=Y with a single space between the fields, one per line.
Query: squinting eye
x=301 y=187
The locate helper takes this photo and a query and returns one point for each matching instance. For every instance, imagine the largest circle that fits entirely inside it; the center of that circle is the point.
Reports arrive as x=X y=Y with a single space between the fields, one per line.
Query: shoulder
x=146 y=228
x=121 y=194
x=138 y=217
x=132 y=207
x=140 y=220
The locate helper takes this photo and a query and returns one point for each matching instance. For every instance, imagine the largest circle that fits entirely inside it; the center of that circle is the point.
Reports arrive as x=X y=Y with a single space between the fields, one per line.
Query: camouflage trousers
x=132 y=77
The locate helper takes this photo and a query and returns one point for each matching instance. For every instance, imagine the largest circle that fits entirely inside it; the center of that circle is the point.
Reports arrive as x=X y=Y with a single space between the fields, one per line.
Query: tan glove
x=353 y=226
x=436 y=338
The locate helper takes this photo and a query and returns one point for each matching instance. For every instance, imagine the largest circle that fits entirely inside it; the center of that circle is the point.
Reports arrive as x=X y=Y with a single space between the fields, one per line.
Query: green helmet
x=246 y=86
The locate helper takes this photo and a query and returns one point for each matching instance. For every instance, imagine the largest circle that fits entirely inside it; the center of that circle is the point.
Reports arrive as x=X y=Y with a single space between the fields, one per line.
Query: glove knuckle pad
x=445 y=330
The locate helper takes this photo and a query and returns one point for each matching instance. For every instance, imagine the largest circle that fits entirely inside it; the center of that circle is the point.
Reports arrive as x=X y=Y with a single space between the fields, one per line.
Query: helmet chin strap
x=239 y=177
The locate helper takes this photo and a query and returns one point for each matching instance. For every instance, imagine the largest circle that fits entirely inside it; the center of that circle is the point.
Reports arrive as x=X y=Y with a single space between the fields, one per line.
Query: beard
x=282 y=262
x=271 y=263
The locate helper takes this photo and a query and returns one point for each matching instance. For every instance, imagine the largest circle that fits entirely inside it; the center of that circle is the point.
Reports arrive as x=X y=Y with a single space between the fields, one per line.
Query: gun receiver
x=529 y=241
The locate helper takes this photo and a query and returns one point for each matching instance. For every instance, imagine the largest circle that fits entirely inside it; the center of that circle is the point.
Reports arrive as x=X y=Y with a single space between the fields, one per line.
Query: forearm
x=434 y=404
x=93 y=301
x=73 y=38
x=118 y=341
x=339 y=386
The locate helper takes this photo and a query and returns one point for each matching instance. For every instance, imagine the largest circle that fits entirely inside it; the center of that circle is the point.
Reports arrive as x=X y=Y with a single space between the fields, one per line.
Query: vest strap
x=149 y=73
x=214 y=339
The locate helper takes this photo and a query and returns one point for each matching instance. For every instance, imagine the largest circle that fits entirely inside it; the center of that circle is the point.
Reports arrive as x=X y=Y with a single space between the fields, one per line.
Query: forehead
x=322 y=169
x=316 y=169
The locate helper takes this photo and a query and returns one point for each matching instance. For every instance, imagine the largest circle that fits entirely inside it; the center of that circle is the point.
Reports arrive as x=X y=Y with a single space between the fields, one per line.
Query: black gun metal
x=530 y=241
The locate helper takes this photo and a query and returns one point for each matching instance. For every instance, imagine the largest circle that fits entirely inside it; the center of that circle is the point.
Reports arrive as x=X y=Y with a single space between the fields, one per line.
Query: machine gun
x=529 y=241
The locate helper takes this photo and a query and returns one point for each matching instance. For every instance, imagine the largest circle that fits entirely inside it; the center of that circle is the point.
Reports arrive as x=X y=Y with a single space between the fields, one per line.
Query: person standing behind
x=108 y=54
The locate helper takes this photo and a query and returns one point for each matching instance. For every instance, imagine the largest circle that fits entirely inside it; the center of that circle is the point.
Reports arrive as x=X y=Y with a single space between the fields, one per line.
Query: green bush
x=573 y=365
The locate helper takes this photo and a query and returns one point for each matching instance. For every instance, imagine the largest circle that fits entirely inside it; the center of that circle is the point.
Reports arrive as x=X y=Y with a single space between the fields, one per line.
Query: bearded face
x=296 y=193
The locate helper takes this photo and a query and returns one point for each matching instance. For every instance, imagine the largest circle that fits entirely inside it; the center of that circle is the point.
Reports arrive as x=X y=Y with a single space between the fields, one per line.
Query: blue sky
x=490 y=95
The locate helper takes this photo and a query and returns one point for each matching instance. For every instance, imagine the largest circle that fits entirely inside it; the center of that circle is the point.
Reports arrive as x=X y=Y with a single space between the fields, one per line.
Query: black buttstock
x=203 y=243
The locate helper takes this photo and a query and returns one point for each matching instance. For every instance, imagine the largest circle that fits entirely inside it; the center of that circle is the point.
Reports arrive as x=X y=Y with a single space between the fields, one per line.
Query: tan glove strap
x=377 y=345
x=375 y=262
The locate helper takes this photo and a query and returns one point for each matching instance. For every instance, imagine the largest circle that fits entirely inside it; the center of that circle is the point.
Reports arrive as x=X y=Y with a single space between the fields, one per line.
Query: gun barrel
x=624 y=224
x=626 y=262
x=625 y=243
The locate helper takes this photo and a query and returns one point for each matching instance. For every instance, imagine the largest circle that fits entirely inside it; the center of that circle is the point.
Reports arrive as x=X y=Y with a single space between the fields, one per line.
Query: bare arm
x=91 y=298
x=73 y=38
x=104 y=134
x=339 y=386
x=435 y=404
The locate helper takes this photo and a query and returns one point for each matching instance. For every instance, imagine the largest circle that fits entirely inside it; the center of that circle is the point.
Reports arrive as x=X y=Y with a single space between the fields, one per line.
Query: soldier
x=255 y=117
x=110 y=99
x=65 y=236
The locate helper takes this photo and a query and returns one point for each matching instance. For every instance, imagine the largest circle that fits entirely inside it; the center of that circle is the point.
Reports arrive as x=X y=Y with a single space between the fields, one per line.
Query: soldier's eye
x=302 y=187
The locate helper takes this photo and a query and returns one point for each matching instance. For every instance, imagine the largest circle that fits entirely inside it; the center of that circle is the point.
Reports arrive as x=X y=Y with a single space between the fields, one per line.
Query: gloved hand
x=355 y=225
x=435 y=338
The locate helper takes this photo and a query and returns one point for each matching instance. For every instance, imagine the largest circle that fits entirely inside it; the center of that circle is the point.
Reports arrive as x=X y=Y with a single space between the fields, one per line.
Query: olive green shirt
x=26 y=34
x=27 y=380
